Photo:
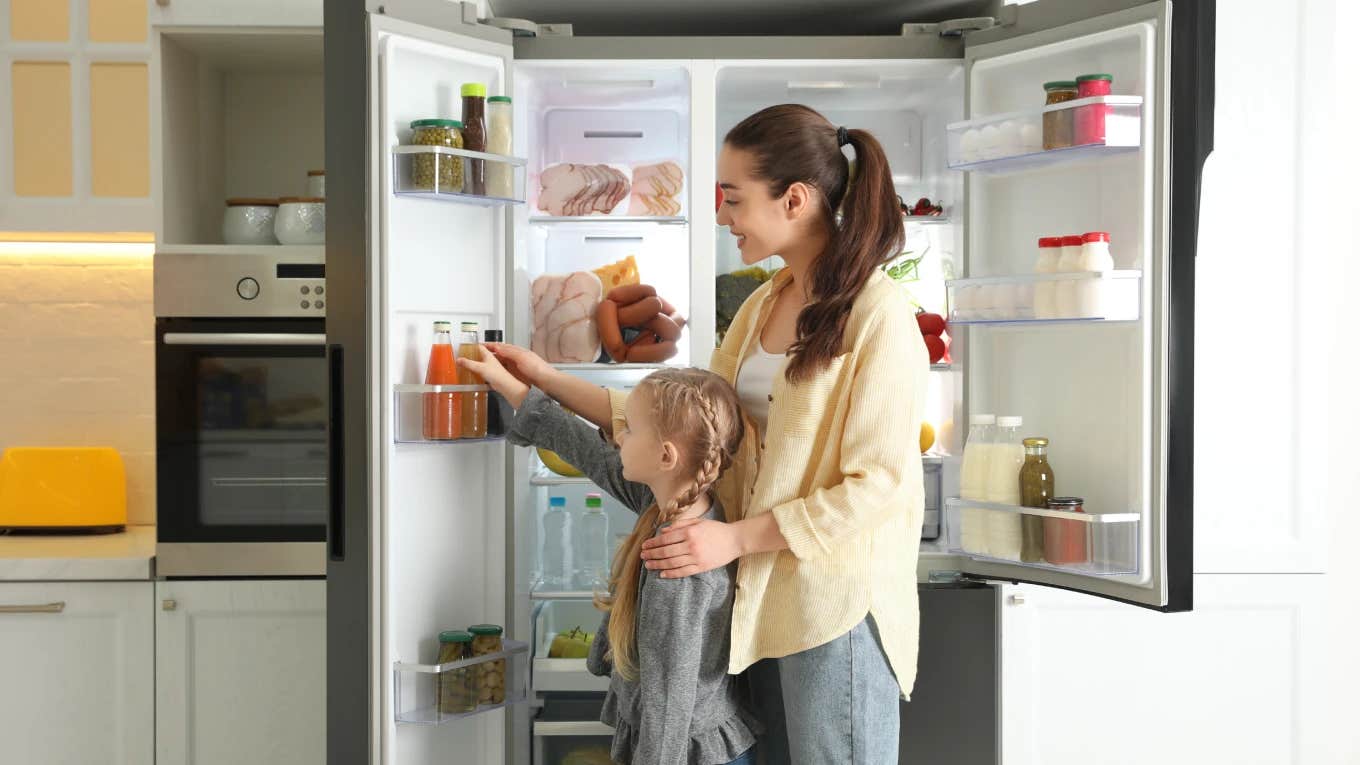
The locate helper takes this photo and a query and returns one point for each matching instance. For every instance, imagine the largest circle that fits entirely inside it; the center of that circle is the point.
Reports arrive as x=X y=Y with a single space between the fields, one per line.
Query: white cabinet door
x=241 y=672
x=76 y=672
x=1240 y=679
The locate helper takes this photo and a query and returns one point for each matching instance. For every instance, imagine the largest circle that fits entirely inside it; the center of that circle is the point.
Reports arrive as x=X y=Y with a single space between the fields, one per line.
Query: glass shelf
x=926 y=220
x=1100 y=544
x=418 y=687
x=545 y=477
x=542 y=594
x=1013 y=142
x=1088 y=296
x=595 y=366
x=445 y=173
x=408 y=407
x=661 y=220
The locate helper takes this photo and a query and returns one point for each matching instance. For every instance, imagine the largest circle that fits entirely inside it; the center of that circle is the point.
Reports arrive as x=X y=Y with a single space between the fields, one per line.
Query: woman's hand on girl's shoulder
x=691 y=547
x=497 y=376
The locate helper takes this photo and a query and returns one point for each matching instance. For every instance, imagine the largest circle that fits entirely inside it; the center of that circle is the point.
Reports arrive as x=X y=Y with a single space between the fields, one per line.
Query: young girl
x=664 y=641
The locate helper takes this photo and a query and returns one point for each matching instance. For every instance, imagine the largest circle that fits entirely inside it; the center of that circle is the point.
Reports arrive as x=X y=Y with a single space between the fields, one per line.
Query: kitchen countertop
x=108 y=557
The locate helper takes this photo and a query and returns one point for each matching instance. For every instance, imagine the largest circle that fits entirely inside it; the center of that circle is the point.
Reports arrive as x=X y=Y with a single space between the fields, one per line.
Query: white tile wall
x=77 y=368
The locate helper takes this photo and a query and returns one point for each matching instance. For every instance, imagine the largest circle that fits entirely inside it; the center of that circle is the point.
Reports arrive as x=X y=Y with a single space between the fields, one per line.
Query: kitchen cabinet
x=237 y=13
x=77 y=662
x=240 y=671
x=1236 y=680
x=76 y=128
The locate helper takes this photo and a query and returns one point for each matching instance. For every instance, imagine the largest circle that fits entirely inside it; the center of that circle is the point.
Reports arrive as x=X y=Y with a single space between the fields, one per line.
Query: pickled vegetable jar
x=1058 y=123
x=437 y=172
x=1064 y=540
x=457 y=687
x=486 y=639
x=1088 y=124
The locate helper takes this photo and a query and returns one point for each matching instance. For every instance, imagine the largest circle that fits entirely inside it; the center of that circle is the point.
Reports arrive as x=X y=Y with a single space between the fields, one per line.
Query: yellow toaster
x=62 y=489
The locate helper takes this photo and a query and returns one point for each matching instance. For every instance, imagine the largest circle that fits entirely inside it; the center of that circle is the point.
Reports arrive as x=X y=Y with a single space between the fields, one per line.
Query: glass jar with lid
x=457 y=687
x=500 y=178
x=1065 y=540
x=437 y=172
x=1058 y=123
x=1036 y=488
x=486 y=639
x=1088 y=124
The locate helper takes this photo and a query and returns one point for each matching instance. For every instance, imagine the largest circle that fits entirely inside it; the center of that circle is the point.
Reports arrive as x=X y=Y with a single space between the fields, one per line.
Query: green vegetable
x=733 y=289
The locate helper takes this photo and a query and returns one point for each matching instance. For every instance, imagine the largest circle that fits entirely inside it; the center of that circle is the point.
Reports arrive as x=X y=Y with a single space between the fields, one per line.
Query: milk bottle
x=973 y=482
x=1004 y=536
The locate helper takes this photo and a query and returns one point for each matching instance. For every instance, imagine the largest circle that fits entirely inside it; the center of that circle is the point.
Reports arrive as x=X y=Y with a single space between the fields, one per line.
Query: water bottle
x=556 y=572
x=593 y=546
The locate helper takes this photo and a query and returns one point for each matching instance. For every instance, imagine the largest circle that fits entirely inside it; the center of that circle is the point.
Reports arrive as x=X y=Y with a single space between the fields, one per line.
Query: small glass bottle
x=494 y=425
x=486 y=639
x=1036 y=488
x=1065 y=292
x=500 y=180
x=443 y=412
x=556 y=563
x=593 y=546
x=474 y=402
x=457 y=687
x=1045 y=292
x=474 y=134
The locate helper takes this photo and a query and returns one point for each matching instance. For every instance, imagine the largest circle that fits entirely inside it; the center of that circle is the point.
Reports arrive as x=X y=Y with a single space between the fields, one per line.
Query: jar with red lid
x=1088 y=124
x=1065 y=540
x=1045 y=292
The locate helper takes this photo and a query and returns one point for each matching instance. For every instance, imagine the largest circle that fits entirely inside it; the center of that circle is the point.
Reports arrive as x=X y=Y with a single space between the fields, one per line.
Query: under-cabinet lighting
x=78 y=244
x=612 y=84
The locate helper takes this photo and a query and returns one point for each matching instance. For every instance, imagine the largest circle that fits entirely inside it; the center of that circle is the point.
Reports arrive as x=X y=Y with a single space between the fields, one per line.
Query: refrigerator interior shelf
x=419 y=689
x=446 y=173
x=610 y=367
x=926 y=220
x=545 y=477
x=408 y=407
x=551 y=618
x=660 y=220
x=1088 y=296
x=538 y=594
x=571 y=728
x=940 y=367
x=1012 y=142
x=1099 y=544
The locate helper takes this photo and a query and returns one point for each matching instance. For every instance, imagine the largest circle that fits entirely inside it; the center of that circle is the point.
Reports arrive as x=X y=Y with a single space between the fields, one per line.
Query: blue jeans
x=836 y=704
x=747 y=757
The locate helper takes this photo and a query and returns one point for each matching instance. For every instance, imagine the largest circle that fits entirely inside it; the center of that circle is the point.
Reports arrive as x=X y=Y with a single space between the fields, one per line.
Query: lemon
x=558 y=465
x=927 y=437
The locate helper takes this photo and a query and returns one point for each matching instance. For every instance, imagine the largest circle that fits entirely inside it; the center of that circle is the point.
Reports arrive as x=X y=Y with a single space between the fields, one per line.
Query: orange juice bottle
x=443 y=411
x=474 y=403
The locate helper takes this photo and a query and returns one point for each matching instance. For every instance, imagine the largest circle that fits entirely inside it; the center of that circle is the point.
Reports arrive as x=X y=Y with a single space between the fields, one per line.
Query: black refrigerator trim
x=349 y=642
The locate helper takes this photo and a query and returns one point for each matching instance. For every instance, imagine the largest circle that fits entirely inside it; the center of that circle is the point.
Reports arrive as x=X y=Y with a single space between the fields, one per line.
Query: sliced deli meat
x=656 y=189
x=564 y=308
x=571 y=189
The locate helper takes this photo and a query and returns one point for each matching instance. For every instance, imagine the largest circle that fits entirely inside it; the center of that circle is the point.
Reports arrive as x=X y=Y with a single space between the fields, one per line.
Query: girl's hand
x=497 y=376
x=524 y=364
x=692 y=546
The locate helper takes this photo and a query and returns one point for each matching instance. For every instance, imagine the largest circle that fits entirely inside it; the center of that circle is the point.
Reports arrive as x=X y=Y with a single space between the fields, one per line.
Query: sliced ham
x=570 y=189
x=656 y=189
x=564 y=317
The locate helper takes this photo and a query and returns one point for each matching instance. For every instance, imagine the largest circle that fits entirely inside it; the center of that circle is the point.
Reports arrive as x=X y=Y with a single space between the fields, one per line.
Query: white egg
x=1031 y=138
x=968 y=145
x=990 y=144
x=1009 y=133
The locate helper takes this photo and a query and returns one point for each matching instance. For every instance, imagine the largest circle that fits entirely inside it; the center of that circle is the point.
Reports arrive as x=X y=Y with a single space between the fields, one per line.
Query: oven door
x=241 y=447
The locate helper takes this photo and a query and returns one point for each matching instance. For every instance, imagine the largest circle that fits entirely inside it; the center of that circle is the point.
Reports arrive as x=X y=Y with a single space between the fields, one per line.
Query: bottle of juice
x=443 y=411
x=474 y=403
x=1003 y=487
x=1036 y=489
x=593 y=546
x=973 y=480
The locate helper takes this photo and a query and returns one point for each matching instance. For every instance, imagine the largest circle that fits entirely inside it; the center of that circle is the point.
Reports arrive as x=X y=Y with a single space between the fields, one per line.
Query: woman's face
x=763 y=224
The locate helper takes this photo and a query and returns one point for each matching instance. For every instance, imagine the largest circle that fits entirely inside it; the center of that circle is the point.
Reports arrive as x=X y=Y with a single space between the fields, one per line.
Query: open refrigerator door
x=1090 y=350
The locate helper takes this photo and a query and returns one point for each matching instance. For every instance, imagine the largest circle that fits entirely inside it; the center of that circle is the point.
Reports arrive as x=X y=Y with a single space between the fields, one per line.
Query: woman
x=829 y=364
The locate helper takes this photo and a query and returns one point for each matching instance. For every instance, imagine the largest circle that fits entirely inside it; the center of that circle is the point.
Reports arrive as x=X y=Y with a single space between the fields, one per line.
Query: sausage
x=611 y=336
x=651 y=353
x=664 y=327
x=636 y=314
x=666 y=306
x=631 y=293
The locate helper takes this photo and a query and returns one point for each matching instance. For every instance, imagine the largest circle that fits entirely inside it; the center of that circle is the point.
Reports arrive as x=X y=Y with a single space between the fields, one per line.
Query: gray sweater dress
x=684 y=708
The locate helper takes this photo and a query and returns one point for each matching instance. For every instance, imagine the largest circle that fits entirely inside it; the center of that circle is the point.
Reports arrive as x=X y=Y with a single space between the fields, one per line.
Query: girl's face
x=647 y=458
x=763 y=224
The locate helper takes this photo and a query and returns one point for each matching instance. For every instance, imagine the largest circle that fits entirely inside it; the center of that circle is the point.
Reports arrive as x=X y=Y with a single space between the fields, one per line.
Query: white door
x=1110 y=386
x=240 y=672
x=76 y=660
x=433 y=512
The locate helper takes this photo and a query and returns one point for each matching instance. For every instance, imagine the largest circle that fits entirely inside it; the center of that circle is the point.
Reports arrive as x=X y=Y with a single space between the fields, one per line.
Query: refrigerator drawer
x=568 y=732
x=551 y=674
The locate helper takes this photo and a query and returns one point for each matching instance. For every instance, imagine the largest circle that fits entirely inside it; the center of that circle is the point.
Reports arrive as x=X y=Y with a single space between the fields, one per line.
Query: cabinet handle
x=336 y=477
x=1018 y=599
x=42 y=608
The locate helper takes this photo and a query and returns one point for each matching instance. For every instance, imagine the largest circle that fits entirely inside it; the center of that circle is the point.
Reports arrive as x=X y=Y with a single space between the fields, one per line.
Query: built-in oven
x=241 y=415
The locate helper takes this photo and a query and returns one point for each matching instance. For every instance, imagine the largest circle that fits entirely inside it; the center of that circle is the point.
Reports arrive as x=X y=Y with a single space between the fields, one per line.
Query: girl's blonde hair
x=699 y=412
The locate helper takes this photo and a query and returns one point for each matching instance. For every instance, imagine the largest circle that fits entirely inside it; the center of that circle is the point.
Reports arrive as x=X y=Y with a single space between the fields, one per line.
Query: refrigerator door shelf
x=445 y=173
x=1013 y=142
x=1096 y=544
x=1088 y=296
x=545 y=477
x=417 y=687
x=408 y=411
x=611 y=367
x=660 y=220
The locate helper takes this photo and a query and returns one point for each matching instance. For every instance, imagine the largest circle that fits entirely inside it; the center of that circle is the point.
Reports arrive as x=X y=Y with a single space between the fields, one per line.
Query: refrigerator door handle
x=336 y=477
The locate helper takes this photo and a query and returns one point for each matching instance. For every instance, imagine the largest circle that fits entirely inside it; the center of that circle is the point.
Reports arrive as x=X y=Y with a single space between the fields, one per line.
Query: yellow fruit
x=558 y=465
x=927 y=437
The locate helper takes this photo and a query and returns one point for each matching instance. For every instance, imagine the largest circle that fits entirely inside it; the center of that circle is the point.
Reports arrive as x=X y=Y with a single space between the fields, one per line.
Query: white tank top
x=755 y=383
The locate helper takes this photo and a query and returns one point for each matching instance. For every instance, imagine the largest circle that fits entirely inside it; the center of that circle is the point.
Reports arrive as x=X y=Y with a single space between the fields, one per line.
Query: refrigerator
x=426 y=536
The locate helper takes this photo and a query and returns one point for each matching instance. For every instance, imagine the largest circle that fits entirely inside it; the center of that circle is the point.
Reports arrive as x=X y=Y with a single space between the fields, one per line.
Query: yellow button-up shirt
x=840 y=468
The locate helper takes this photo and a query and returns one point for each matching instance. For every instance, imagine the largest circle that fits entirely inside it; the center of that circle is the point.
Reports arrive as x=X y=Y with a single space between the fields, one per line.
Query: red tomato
x=718 y=197
x=935 y=346
x=930 y=323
